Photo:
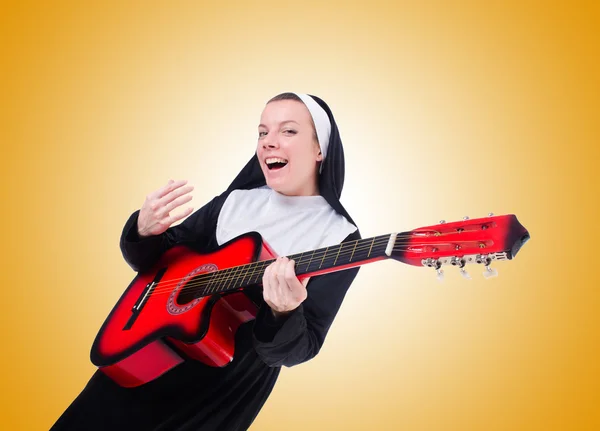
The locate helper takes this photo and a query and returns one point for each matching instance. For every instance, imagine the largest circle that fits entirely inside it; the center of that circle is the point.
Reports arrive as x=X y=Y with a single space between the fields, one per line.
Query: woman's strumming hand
x=282 y=290
x=155 y=215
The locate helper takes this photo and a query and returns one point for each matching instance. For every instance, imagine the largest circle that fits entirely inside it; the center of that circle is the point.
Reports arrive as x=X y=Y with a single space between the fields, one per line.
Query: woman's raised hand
x=155 y=217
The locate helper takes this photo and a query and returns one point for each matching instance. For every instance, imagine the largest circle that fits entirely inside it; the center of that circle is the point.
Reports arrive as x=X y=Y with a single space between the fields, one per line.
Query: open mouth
x=275 y=163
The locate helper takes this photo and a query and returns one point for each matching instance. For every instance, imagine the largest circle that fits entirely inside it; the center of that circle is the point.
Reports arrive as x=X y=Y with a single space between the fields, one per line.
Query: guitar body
x=136 y=346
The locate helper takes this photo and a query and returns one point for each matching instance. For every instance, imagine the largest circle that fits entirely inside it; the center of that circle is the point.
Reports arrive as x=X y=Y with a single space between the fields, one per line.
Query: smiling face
x=288 y=149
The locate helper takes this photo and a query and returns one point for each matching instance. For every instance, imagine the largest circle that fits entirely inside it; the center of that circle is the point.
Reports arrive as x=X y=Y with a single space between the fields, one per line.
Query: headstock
x=470 y=241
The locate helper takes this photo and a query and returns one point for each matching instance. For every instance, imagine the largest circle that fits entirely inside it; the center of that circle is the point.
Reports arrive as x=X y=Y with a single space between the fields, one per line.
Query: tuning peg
x=465 y=274
x=490 y=214
x=466 y=218
x=440 y=275
x=490 y=272
x=442 y=221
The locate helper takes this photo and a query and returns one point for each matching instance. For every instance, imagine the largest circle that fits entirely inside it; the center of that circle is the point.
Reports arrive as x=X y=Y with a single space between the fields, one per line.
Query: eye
x=293 y=132
x=261 y=134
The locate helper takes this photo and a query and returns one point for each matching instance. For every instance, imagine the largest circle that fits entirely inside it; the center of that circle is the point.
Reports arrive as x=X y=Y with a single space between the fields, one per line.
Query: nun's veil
x=331 y=179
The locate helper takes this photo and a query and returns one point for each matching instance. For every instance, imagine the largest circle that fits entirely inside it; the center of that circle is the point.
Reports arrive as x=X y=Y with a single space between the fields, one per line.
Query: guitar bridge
x=139 y=304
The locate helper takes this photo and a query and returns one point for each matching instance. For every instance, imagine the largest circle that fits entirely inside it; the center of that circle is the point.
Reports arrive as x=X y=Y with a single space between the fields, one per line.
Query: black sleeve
x=298 y=337
x=142 y=253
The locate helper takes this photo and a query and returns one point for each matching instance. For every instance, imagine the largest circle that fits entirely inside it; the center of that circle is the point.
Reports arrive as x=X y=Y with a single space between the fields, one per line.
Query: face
x=287 y=148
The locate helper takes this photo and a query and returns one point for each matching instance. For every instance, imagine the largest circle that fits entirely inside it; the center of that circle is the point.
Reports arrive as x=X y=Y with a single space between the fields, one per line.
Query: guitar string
x=306 y=257
x=229 y=275
x=366 y=243
x=303 y=255
x=208 y=278
x=259 y=266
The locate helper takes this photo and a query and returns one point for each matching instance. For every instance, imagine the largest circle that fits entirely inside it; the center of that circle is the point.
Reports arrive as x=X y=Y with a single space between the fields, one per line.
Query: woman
x=289 y=192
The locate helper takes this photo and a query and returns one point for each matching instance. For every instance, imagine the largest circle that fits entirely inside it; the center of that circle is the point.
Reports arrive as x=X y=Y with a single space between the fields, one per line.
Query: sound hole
x=194 y=288
x=186 y=295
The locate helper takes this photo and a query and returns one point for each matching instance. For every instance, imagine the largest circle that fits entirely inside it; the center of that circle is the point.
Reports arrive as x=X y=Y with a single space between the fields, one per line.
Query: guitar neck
x=309 y=263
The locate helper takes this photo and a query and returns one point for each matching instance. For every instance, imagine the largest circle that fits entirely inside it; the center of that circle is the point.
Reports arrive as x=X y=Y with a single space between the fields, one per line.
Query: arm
x=298 y=336
x=142 y=252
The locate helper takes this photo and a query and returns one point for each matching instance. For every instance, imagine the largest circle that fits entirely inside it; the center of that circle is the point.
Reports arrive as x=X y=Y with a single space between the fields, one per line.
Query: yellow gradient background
x=446 y=109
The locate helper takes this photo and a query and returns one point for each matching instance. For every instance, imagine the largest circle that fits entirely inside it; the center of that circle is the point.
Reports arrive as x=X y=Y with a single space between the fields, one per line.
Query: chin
x=277 y=187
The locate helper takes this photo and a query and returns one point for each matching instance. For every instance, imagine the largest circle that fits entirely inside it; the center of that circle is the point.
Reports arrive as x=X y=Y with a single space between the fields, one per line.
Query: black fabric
x=194 y=396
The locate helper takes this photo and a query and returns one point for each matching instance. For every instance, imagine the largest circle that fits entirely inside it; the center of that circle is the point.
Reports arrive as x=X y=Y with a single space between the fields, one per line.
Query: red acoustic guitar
x=190 y=304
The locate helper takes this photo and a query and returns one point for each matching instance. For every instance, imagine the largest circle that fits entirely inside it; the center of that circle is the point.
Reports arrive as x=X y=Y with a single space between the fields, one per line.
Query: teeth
x=271 y=160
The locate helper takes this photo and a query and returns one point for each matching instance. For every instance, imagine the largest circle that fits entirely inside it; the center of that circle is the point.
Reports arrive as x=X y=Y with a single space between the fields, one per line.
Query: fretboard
x=327 y=259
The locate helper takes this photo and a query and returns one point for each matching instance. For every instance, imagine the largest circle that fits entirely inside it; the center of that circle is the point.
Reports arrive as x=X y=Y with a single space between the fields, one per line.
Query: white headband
x=322 y=123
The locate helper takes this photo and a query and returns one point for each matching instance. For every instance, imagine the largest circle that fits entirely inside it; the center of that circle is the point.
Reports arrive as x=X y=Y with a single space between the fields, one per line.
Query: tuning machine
x=440 y=275
x=490 y=272
x=461 y=261
x=435 y=264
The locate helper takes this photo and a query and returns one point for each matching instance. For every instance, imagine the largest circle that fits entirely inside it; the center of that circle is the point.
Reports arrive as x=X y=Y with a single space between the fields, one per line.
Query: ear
x=319 y=156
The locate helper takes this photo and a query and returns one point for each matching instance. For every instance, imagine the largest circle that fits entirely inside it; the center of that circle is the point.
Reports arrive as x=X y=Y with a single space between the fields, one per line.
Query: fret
x=252 y=273
x=226 y=280
x=247 y=266
x=238 y=273
x=211 y=278
x=309 y=262
x=259 y=271
x=300 y=259
x=222 y=280
x=214 y=279
x=298 y=263
x=324 y=254
x=222 y=277
x=353 y=250
x=338 y=254
x=371 y=248
x=231 y=284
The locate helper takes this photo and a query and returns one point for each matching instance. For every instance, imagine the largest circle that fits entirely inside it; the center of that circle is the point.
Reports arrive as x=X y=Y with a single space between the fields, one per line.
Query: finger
x=171 y=185
x=278 y=285
x=271 y=288
x=274 y=270
x=283 y=262
x=268 y=271
x=290 y=274
x=290 y=277
x=174 y=204
x=172 y=219
x=174 y=194
x=297 y=287
x=266 y=281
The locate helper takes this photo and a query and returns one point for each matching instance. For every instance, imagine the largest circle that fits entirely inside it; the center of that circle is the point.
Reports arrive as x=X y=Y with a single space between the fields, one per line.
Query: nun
x=290 y=193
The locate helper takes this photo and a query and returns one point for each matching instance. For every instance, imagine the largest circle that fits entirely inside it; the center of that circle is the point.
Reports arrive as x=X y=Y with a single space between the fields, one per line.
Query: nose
x=270 y=141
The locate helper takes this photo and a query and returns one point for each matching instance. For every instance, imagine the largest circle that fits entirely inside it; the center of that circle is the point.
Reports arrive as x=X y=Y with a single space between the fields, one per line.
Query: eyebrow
x=283 y=122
